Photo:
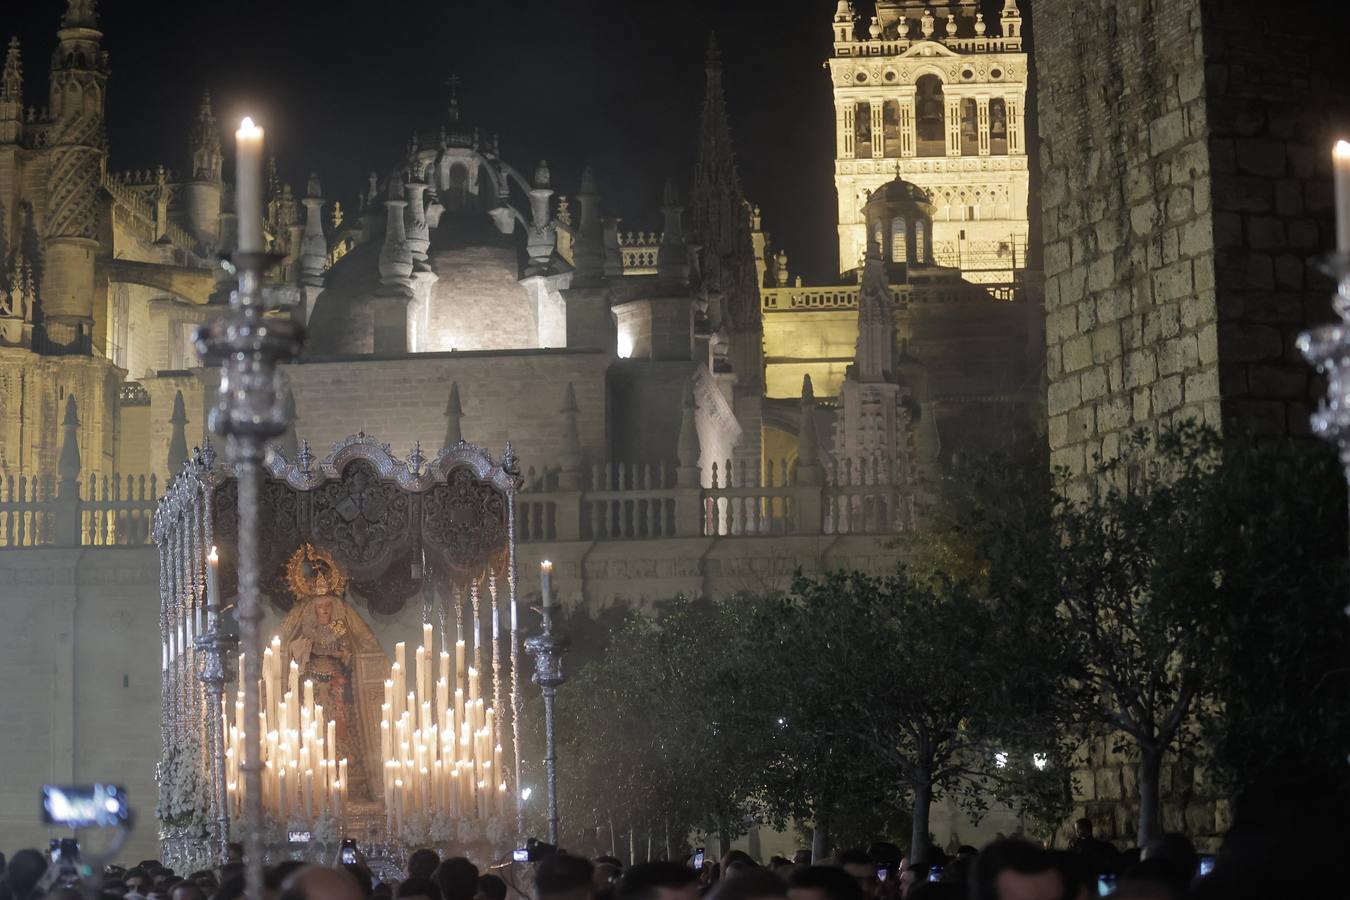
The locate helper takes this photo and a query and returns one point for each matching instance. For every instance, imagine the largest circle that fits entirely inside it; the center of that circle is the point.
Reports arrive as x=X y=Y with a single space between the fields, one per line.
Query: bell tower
x=934 y=94
x=79 y=78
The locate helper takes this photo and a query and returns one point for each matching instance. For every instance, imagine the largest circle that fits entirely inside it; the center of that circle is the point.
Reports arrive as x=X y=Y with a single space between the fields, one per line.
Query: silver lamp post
x=548 y=648
x=248 y=346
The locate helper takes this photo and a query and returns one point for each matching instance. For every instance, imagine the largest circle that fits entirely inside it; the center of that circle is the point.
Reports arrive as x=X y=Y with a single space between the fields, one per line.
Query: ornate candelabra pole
x=216 y=647
x=250 y=411
x=1328 y=348
x=548 y=648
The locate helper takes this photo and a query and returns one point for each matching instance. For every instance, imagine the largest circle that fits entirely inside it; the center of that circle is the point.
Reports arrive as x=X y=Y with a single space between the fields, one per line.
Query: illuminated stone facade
x=939 y=100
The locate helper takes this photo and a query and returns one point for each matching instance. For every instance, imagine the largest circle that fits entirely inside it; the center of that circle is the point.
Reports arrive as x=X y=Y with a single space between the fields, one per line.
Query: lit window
x=898 y=240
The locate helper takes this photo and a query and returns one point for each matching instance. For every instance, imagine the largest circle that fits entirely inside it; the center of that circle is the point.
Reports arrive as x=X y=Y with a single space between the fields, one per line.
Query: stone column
x=568 y=517
x=982 y=122
x=908 y=135
x=810 y=477
x=878 y=106
x=847 y=133
x=1013 y=113
x=67 y=518
x=953 y=126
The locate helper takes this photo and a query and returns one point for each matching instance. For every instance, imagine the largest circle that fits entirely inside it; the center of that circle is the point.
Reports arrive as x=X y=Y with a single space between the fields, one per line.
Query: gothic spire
x=718 y=199
x=11 y=82
x=205 y=142
x=80 y=14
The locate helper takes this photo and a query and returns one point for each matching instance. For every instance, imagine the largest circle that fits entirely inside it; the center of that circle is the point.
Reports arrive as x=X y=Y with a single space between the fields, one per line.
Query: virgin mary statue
x=336 y=650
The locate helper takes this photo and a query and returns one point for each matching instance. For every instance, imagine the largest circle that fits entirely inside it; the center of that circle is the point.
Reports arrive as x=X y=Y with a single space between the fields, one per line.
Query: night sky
x=340 y=87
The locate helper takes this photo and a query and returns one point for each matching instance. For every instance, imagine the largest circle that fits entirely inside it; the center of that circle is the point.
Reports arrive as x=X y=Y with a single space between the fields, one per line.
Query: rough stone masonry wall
x=1278 y=96
x=1131 y=318
x=1185 y=155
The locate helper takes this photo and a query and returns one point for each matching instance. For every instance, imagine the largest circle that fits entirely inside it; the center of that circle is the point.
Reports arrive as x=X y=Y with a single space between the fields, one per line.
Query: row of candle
x=303 y=778
x=439 y=738
x=184 y=634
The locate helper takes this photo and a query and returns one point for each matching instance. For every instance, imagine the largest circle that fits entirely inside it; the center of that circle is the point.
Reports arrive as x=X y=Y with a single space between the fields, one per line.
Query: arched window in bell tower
x=970 y=128
x=930 y=116
x=998 y=127
x=899 y=240
x=920 y=243
x=890 y=122
x=862 y=130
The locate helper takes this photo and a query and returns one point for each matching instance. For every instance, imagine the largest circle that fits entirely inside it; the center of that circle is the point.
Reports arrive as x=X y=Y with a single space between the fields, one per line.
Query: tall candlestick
x=212 y=587
x=546 y=582
x=248 y=185
x=1340 y=157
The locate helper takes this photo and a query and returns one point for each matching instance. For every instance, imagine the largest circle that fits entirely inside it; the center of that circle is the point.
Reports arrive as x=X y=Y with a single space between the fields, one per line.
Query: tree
x=887 y=678
x=658 y=731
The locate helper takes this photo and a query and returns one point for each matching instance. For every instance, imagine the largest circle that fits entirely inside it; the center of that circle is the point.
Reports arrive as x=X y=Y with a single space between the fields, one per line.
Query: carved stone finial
x=178 y=451
x=454 y=412
x=541 y=174
x=68 y=465
x=11 y=81
x=926 y=23
x=289 y=444
x=808 y=442
x=80 y=14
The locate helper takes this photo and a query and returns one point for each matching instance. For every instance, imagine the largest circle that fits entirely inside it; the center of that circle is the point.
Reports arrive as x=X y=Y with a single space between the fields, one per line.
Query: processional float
x=421 y=749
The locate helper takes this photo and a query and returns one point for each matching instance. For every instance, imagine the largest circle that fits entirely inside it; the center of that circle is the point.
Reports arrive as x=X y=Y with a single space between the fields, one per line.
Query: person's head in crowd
x=1175 y=849
x=317 y=883
x=490 y=887
x=457 y=878
x=423 y=863
x=563 y=877
x=114 y=885
x=736 y=861
x=966 y=850
x=1155 y=877
x=228 y=870
x=958 y=870
x=1079 y=872
x=361 y=875
x=937 y=890
x=823 y=883
x=910 y=875
x=605 y=874
x=65 y=892
x=610 y=860
x=23 y=873
x=658 y=881
x=231 y=888
x=1082 y=829
x=138 y=881
x=187 y=890
x=862 y=869
x=749 y=884
x=275 y=875
x=417 y=888
x=386 y=889
x=149 y=865
x=1013 y=869
x=802 y=857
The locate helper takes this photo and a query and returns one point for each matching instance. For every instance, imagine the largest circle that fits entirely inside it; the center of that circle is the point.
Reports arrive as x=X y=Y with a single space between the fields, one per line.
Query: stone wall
x=78 y=659
x=1186 y=171
x=1131 y=316
x=1186 y=163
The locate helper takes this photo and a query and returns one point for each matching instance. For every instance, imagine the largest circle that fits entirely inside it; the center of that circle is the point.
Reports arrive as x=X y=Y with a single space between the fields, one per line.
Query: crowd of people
x=1007 y=869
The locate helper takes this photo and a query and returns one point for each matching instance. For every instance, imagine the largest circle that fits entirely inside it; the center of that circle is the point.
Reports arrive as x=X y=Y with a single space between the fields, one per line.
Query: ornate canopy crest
x=311 y=572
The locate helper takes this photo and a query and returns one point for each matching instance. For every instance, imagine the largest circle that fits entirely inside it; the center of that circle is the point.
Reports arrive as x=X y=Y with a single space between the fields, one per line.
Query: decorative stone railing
x=630 y=502
x=638 y=251
x=71 y=510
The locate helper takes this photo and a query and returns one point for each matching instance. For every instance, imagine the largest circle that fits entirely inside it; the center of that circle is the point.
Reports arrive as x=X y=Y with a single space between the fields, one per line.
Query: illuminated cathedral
x=465 y=296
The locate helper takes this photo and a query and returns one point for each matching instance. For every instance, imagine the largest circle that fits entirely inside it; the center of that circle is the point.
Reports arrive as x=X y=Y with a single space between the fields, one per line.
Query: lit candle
x=248 y=187
x=1340 y=157
x=212 y=587
x=546 y=582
